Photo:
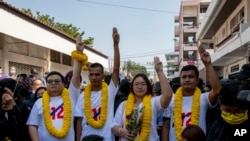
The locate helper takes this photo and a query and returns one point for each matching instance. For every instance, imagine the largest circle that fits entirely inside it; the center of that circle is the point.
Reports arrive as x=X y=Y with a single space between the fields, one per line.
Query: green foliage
x=68 y=29
x=135 y=120
x=135 y=68
x=170 y=64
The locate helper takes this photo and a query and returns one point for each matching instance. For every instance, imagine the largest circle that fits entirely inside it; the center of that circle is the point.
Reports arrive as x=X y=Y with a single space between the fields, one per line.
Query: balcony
x=190 y=2
x=177 y=31
x=176 y=46
x=190 y=29
x=190 y=62
x=176 y=63
x=171 y=68
x=190 y=55
x=190 y=46
x=176 y=19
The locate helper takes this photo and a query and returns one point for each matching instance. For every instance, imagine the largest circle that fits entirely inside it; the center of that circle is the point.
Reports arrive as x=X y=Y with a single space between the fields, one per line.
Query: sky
x=146 y=27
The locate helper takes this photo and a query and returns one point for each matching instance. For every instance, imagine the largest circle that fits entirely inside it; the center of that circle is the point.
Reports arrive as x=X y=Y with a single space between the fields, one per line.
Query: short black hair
x=191 y=67
x=55 y=73
x=95 y=65
x=229 y=91
x=38 y=89
x=93 y=138
x=193 y=133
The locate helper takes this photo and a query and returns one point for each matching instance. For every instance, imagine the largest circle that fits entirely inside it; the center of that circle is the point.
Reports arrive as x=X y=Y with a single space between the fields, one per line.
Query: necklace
x=146 y=118
x=66 y=115
x=178 y=110
x=104 y=106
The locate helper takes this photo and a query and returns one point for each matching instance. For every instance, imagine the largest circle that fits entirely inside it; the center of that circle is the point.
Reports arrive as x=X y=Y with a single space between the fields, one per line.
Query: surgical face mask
x=234 y=118
x=12 y=72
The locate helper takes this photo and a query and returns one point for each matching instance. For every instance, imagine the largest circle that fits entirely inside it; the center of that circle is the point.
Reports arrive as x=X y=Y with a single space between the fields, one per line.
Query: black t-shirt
x=222 y=131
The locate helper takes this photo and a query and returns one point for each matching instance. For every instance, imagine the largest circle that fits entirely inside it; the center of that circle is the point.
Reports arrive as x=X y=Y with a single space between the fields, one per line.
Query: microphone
x=244 y=96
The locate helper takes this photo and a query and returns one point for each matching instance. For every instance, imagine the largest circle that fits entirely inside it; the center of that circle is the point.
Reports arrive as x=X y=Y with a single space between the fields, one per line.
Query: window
x=55 y=56
x=66 y=59
x=203 y=8
x=237 y=19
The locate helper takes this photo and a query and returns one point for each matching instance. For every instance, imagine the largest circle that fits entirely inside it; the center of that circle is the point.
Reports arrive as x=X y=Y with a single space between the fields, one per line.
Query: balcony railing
x=176 y=46
x=190 y=46
x=190 y=29
x=177 y=31
x=176 y=19
x=189 y=2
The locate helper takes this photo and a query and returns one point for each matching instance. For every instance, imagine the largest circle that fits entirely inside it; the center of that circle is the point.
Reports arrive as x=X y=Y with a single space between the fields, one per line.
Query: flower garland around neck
x=59 y=133
x=88 y=108
x=178 y=110
x=81 y=57
x=146 y=118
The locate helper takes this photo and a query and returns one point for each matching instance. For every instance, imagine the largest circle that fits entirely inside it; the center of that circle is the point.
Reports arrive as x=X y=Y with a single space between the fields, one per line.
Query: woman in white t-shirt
x=136 y=118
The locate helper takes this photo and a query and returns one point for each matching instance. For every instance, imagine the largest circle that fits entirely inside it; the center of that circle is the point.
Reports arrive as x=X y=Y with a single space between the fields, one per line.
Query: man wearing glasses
x=51 y=117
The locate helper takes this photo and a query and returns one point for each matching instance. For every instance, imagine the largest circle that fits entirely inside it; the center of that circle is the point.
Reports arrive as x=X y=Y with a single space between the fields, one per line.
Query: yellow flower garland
x=82 y=58
x=104 y=106
x=147 y=113
x=66 y=115
x=178 y=110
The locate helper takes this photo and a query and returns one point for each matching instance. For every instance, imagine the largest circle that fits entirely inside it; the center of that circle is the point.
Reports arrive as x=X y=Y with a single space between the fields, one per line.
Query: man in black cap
x=244 y=73
x=33 y=73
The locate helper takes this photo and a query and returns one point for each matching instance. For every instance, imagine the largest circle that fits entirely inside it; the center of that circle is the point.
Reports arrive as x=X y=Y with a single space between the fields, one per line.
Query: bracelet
x=119 y=131
x=83 y=58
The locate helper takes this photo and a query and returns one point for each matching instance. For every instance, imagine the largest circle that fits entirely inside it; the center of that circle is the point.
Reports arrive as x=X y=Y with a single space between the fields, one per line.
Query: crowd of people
x=55 y=107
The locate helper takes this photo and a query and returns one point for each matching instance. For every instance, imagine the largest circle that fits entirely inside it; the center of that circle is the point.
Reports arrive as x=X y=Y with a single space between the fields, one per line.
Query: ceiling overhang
x=223 y=13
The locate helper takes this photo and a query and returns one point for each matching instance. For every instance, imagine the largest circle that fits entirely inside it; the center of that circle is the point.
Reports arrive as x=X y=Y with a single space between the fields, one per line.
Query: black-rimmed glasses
x=56 y=81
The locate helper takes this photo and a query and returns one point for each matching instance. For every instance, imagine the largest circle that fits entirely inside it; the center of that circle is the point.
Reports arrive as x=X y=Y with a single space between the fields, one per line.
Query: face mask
x=12 y=72
x=234 y=118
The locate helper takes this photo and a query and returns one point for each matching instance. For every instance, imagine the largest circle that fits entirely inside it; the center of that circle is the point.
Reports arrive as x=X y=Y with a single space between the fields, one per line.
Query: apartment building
x=186 y=26
x=27 y=43
x=172 y=64
x=226 y=27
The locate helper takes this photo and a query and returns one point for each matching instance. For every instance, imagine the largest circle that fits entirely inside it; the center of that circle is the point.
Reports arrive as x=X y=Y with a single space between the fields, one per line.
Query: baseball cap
x=33 y=70
x=244 y=72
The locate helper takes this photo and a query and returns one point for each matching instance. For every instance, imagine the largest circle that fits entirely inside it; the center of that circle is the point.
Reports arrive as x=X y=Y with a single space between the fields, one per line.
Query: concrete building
x=226 y=27
x=186 y=26
x=172 y=65
x=27 y=43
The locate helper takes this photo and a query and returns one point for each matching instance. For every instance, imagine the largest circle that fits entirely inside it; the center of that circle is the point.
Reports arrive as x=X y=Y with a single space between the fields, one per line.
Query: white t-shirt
x=186 y=112
x=105 y=131
x=36 y=116
x=119 y=119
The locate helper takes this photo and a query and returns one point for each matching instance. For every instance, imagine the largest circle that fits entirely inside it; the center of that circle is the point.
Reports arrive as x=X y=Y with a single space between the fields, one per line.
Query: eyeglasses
x=50 y=81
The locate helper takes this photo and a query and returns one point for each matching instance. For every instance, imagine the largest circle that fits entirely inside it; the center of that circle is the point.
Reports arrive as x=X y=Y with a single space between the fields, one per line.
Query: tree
x=134 y=68
x=68 y=29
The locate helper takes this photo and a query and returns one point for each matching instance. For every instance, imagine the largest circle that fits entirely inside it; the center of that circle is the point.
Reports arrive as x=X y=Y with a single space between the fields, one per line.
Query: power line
x=139 y=8
x=130 y=7
x=147 y=53
x=141 y=55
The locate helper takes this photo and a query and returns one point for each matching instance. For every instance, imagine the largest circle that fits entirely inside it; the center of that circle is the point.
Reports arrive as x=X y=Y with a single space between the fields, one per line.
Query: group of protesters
x=55 y=108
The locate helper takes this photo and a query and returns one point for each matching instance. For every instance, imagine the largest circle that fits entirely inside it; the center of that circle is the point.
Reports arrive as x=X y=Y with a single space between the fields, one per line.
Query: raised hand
x=116 y=36
x=79 y=44
x=205 y=56
x=8 y=101
x=158 y=64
